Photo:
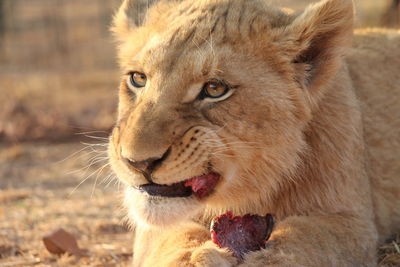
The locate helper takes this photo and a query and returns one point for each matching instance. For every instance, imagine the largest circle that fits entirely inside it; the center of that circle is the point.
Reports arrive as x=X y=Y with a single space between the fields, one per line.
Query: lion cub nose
x=142 y=166
x=146 y=167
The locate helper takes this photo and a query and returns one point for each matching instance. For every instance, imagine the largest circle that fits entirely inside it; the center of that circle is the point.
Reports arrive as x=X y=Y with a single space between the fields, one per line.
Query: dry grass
x=55 y=106
x=389 y=253
x=38 y=195
x=58 y=75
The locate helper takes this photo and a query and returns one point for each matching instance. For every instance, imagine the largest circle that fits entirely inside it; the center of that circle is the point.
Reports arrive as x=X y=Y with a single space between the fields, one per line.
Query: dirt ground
x=43 y=187
x=41 y=191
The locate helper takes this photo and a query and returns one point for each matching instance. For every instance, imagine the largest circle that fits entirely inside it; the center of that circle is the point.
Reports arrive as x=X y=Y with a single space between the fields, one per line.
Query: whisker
x=99 y=171
x=90 y=132
x=97 y=137
x=84 y=180
x=238 y=148
x=112 y=177
x=93 y=161
x=72 y=155
x=95 y=144
x=223 y=155
x=232 y=143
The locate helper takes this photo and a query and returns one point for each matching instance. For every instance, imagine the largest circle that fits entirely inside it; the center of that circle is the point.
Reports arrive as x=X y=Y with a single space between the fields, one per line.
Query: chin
x=153 y=211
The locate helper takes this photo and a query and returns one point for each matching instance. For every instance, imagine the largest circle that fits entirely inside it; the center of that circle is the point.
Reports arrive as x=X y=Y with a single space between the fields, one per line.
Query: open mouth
x=199 y=186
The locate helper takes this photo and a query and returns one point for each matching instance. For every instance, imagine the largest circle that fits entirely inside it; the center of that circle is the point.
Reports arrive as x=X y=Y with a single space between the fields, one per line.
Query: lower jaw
x=153 y=211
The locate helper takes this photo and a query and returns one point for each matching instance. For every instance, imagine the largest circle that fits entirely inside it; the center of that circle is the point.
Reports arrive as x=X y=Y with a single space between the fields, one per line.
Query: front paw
x=272 y=258
x=209 y=255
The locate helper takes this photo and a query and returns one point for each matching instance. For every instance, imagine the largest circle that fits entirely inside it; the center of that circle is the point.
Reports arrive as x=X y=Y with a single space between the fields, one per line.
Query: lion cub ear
x=131 y=14
x=317 y=40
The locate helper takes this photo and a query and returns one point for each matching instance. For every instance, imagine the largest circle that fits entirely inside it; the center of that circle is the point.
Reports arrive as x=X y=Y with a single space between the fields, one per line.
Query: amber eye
x=138 y=79
x=214 y=89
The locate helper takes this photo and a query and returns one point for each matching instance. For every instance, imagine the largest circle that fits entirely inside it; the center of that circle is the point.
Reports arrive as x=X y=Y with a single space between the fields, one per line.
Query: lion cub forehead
x=191 y=23
x=201 y=27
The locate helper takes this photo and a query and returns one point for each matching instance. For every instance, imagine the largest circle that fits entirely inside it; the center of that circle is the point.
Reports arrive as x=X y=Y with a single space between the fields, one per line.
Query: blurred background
x=58 y=95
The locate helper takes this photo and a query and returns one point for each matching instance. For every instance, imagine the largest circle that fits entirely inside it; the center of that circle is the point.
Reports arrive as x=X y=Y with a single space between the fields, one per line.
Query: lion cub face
x=211 y=107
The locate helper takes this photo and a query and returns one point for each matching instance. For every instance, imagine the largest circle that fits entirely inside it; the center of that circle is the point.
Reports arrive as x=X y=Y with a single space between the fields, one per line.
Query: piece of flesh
x=241 y=234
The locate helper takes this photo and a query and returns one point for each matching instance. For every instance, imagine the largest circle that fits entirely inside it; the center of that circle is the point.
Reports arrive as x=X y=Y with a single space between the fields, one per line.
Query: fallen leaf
x=60 y=242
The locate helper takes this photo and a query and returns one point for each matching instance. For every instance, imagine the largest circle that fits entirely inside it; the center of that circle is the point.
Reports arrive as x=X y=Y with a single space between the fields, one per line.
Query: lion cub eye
x=214 y=89
x=137 y=79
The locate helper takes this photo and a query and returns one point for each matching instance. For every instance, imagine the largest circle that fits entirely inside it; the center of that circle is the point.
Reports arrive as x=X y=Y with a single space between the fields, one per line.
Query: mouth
x=199 y=186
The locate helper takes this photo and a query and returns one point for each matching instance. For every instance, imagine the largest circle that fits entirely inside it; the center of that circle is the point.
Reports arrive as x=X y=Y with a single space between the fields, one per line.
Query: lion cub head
x=214 y=99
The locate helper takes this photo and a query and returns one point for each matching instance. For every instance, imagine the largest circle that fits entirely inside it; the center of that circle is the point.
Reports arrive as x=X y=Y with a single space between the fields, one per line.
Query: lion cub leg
x=336 y=240
x=188 y=244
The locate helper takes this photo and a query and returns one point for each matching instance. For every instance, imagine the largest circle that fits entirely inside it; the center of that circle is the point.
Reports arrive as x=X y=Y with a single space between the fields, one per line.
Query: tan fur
x=293 y=139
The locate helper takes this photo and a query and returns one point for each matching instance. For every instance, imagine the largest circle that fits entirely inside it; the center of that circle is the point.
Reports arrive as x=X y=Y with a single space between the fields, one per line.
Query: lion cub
x=234 y=105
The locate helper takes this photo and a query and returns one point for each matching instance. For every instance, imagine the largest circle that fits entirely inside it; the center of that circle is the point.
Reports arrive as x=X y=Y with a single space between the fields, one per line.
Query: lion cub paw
x=210 y=255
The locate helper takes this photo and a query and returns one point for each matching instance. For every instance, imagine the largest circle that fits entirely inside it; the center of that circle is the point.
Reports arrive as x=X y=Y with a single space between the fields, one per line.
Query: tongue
x=203 y=185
